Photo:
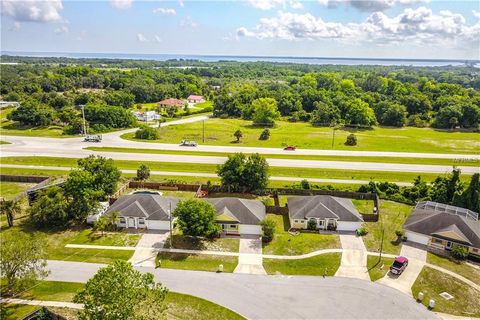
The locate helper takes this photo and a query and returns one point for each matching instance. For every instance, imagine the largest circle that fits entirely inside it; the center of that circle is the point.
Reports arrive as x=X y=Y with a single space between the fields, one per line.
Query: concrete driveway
x=417 y=258
x=146 y=249
x=250 y=259
x=354 y=258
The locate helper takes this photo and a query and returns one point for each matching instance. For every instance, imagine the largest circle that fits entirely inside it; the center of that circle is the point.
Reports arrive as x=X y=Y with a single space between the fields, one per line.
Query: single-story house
x=171 y=102
x=239 y=216
x=195 y=99
x=146 y=116
x=100 y=211
x=144 y=210
x=329 y=213
x=440 y=227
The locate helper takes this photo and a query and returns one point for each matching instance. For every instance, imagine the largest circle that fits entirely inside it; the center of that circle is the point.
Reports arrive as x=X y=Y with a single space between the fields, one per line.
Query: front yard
x=392 y=217
x=200 y=262
x=380 y=269
x=284 y=243
x=465 y=300
x=193 y=243
x=321 y=265
x=458 y=267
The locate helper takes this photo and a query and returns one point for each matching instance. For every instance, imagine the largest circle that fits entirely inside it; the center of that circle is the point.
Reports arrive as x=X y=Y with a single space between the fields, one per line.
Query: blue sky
x=321 y=28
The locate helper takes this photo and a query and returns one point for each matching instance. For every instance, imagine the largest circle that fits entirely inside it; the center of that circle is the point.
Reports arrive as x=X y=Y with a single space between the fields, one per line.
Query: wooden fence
x=22 y=179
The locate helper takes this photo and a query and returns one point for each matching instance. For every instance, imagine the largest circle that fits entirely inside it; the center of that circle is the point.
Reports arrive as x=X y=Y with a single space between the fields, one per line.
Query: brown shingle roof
x=322 y=206
x=243 y=210
x=171 y=102
x=149 y=206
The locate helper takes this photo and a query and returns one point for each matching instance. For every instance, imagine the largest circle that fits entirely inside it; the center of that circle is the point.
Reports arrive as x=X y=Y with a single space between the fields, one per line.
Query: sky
x=426 y=29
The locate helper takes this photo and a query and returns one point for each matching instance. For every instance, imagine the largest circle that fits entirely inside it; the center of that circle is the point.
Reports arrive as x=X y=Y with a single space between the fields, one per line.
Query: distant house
x=440 y=227
x=171 y=102
x=239 y=216
x=144 y=211
x=4 y=104
x=146 y=116
x=328 y=213
x=195 y=99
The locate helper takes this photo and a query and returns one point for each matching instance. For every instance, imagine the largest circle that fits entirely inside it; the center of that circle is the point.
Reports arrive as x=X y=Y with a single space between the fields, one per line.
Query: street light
x=84 y=122
x=171 y=231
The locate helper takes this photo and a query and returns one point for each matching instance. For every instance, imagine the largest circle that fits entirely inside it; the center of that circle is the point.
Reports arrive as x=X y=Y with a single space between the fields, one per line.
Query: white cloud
x=166 y=11
x=370 y=5
x=272 y=4
x=15 y=27
x=61 y=29
x=33 y=10
x=121 y=4
x=181 y=3
x=188 y=22
x=419 y=25
x=141 y=37
x=157 y=38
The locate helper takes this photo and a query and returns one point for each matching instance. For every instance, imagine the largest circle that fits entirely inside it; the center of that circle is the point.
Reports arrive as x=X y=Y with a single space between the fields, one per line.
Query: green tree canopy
x=359 y=113
x=50 y=208
x=105 y=173
x=265 y=111
x=244 y=174
x=33 y=113
x=196 y=218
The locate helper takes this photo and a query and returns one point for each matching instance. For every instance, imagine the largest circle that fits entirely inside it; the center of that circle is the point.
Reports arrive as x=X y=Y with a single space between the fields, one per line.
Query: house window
x=234 y=226
x=122 y=220
x=438 y=241
x=141 y=221
x=474 y=250
x=296 y=221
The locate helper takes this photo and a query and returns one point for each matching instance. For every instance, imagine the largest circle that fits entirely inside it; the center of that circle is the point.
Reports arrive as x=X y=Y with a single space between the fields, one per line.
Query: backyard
x=8 y=190
x=321 y=265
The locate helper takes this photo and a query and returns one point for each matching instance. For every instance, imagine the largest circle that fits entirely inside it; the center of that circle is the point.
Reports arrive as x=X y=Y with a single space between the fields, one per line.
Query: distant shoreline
x=283 y=59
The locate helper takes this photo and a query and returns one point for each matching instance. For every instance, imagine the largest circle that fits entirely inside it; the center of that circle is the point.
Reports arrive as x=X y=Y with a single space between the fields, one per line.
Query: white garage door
x=158 y=225
x=348 y=225
x=416 y=237
x=250 y=229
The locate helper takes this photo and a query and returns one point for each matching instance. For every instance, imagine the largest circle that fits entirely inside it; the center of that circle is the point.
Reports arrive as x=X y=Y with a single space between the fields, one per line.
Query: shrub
x=399 y=233
x=351 y=140
x=268 y=229
x=238 y=135
x=147 y=133
x=264 y=135
x=143 y=172
x=305 y=184
x=312 y=225
x=459 y=252
x=361 y=231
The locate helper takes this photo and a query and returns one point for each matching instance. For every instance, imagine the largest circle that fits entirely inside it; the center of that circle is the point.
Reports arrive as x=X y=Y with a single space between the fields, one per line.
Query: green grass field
x=8 y=190
x=435 y=161
x=303 y=135
x=200 y=262
x=459 y=267
x=284 y=243
x=465 y=300
x=193 y=243
x=322 y=265
x=378 y=270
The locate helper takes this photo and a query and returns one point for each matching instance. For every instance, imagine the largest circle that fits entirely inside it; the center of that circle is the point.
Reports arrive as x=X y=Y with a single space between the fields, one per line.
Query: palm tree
x=9 y=208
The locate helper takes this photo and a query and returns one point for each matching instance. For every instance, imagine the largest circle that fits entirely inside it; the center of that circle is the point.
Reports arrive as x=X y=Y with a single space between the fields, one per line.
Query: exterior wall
x=417 y=237
x=250 y=229
x=230 y=228
x=348 y=225
x=158 y=225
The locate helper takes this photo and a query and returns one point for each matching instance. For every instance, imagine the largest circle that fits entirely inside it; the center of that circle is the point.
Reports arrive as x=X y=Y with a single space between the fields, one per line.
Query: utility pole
x=203 y=136
x=84 y=122
x=171 y=231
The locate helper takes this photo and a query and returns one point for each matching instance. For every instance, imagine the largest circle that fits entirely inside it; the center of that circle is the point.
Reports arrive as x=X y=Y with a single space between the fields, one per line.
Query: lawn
x=376 y=269
x=285 y=244
x=201 y=262
x=304 y=135
x=4 y=142
x=322 y=265
x=436 y=161
x=193 y=243
x=9 y=190
x=458 y=267
x=364 y=206
x=392 y=217
x=465 y=300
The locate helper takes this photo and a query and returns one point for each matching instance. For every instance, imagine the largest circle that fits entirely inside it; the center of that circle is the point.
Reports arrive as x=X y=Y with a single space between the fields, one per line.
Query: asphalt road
x=275 y=297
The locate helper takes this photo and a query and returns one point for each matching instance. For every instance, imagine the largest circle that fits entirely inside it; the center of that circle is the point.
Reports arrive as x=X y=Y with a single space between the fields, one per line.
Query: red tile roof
x=194 y=97
x=172 y=102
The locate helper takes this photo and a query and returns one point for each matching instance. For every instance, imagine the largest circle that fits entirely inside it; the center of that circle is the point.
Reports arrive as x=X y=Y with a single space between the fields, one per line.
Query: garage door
x=348 y=225
x=250 y=229
x=159 y=225
x=416 y=237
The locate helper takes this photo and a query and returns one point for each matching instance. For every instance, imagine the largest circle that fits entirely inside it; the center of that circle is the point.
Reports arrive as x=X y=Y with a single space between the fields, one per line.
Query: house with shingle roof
x=144 y=210
x=328 y=213
x=440 y=227
x=171 y=102
x=239 y=216
x=195 y=99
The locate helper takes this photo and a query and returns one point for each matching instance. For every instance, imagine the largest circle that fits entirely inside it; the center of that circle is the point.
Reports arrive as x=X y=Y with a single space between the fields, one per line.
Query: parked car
x=188 y=143
x=93 y=138
x=290 y=148
x=399 y=265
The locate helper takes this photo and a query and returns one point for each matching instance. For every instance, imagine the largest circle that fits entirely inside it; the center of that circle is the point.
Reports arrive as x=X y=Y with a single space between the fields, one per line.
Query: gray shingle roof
x=322 y=206
x=431 y=222
x=149 y=206
x=243 y=210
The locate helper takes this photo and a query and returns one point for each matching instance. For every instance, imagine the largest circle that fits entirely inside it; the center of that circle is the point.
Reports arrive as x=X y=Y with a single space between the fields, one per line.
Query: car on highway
x=186 y=143
x=290 y=148
x=92 y=138
x=399 y=265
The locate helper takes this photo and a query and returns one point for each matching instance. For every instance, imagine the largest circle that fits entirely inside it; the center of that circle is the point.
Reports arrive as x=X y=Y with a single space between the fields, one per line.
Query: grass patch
x=364 y=206
x=378 y=270
x=195 y=243
x=9 y=190
x=435 y=161
x=456 y=266
x=201 y=262
x=325 y=264
x=285 y=244
x=304 y=135
x=432 y=282
x=392 y=217
x=4 y=142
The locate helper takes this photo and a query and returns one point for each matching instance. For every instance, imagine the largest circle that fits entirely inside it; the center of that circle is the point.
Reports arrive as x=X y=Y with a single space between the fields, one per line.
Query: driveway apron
x=354 y=258
x=250 y=259
x=147 y=248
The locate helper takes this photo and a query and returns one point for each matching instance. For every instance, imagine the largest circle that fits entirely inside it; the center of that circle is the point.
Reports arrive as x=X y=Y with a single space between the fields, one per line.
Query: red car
x=290 y=148
x=399 y=265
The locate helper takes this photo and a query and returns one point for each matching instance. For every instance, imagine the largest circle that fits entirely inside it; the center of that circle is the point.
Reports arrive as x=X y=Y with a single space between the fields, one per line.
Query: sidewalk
x=59 y=304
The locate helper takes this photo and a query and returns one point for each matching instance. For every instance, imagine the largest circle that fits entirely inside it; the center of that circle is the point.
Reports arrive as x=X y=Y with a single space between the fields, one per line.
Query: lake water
x=213 y=58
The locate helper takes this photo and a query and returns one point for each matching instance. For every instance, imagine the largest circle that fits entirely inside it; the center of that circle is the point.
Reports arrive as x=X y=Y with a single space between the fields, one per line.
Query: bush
x=351 y=140
x=305 y=184
x=312 y=225
x=361 y=231
x=147 y=133
x=268 y=229
x=399 y=233
x=459 y=252
x=143 y=172
x=264 y=135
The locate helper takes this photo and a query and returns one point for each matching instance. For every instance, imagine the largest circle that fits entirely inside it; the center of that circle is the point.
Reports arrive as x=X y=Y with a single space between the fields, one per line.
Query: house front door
x=321 y=224
x=449 y=245
x=131 y=222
